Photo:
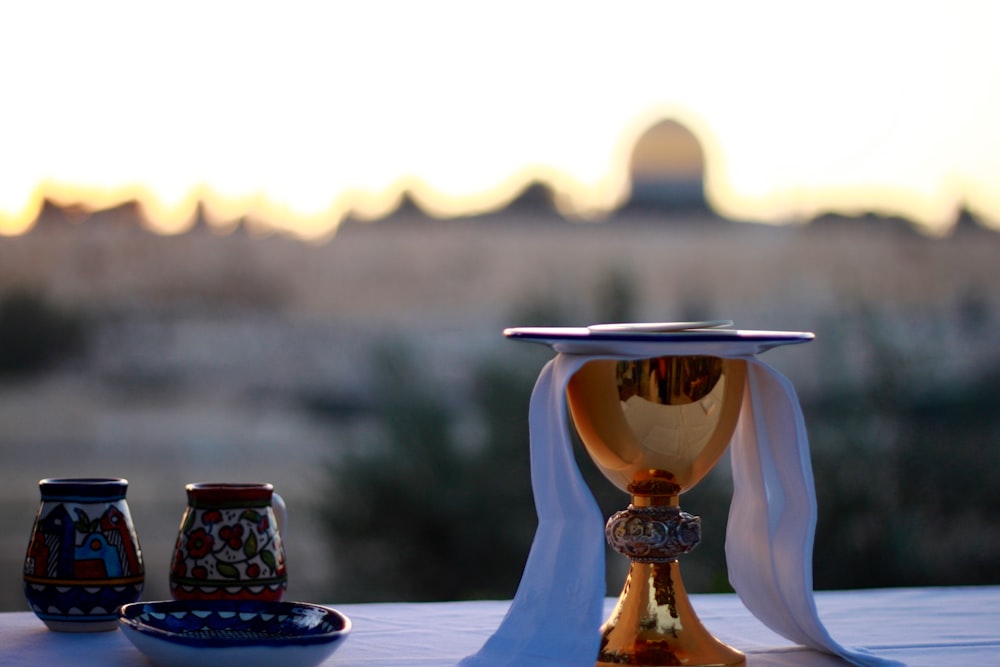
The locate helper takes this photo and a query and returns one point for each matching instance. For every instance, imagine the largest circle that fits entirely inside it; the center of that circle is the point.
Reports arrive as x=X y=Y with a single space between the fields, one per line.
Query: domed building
x=668 y=170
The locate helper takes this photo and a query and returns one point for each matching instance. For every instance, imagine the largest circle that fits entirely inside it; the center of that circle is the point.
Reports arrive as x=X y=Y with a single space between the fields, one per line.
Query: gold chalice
x=655 y=427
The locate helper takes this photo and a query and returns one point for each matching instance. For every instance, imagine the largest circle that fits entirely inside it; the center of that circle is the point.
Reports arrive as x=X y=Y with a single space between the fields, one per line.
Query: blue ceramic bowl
x=223 y=633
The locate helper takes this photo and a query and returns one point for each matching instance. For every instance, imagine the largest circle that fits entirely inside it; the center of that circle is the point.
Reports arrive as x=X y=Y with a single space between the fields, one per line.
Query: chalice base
x=654 y=625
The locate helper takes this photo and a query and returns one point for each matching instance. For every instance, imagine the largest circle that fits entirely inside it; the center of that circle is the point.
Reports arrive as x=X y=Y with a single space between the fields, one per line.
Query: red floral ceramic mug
x=229 y=545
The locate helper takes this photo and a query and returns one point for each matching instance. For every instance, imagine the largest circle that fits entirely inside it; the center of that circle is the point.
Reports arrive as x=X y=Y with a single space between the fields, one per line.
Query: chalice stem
x=653 y=624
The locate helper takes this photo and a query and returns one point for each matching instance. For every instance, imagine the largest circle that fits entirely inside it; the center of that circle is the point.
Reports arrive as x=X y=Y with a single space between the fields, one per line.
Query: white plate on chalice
x=602 y=338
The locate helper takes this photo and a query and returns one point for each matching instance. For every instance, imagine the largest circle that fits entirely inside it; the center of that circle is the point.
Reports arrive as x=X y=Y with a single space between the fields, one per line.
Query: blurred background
x=255 y=244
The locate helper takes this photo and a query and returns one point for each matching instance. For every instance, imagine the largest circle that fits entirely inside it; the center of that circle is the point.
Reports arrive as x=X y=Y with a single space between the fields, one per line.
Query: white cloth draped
x=555 y=616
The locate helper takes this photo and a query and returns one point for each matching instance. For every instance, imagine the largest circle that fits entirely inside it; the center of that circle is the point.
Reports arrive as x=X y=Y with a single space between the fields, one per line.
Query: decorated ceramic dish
x=230 y=633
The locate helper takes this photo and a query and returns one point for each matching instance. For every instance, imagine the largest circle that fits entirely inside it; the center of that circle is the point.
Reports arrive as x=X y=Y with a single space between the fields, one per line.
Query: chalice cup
x=655 y=427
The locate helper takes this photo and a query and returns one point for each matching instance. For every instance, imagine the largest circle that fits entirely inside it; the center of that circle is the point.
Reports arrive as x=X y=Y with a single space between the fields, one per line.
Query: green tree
x=420 y=513
x=35 y=335
x=904 y=473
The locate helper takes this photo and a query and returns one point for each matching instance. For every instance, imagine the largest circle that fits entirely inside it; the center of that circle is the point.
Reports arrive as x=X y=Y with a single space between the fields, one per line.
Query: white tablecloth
x=918 y=626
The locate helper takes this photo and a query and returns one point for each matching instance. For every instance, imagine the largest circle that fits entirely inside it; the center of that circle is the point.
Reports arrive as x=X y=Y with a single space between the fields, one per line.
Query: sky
x=299 y=114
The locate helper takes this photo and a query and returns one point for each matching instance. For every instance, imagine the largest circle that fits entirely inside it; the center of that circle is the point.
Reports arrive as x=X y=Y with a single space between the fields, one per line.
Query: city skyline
x=309 y=114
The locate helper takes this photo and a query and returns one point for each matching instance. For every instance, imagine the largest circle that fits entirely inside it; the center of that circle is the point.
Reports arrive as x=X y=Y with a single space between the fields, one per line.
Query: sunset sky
x=299 y=114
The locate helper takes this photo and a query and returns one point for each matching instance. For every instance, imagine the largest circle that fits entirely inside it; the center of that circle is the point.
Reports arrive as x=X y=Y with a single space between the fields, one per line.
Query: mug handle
x=280 y=512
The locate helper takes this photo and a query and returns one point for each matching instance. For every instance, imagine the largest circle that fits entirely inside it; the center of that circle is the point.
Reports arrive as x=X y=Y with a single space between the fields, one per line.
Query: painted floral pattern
x=225 y=547
x=199 y=543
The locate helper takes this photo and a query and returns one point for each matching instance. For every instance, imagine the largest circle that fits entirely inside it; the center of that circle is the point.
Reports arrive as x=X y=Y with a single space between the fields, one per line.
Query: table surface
x=917 y=626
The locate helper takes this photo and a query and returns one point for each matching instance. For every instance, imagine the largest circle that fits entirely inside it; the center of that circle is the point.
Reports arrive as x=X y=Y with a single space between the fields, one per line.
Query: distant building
x=54 y=216
x=668 y=171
